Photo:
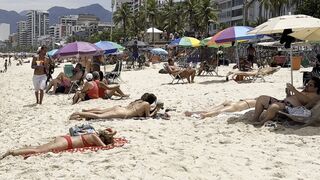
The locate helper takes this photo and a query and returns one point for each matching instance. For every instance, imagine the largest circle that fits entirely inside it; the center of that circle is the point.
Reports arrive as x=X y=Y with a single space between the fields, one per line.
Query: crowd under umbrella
x=287 y=24
x=78 y=48
x=109 y=47
x=235 y=34
x=185 y=42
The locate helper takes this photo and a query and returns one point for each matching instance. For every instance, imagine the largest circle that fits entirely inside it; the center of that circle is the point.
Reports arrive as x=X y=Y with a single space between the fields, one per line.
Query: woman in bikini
x=138 y=108
x=60 y=143
x=227 y=106
x=62 y=81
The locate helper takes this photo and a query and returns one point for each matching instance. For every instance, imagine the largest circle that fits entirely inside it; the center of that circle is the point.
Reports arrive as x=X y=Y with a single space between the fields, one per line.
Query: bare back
x=137 y=109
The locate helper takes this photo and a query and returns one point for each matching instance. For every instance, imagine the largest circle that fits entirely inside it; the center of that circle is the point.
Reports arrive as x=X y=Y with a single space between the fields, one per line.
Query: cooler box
x=296 y=62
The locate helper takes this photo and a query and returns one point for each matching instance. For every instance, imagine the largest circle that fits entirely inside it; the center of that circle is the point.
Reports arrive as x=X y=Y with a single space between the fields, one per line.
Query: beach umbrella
x=235 y=33
x=159 y=51
x=78 y=48
x=211 y=42
x=186 y=42
x=281 y=24
x=109 y=47
x=52 y=52
x=307 y=34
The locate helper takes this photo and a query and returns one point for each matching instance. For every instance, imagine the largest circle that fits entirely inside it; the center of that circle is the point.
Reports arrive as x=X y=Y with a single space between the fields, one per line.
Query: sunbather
x=188 y=73
x=90 y=90
x=62 y=82
x=294 y=98
x=106 y=91
x=101 y=138
x=227 y=106
x=137 y=108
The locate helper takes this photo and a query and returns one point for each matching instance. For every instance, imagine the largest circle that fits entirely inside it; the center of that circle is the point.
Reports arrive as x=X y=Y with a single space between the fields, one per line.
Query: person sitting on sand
x=62 y=81
x=227 y=106
x=106 y=91
x=89 y=91
x=137 y=108
x=188 y=73
x=294 y=99
x=60 y=143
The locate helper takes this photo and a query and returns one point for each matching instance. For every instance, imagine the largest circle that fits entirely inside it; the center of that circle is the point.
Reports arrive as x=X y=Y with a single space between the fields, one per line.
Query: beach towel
x=118 y=142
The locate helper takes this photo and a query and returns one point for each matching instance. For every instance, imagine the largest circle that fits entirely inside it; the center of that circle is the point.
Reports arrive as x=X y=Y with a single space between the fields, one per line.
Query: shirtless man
x=251 y=54
x=138 y=108
x=188 y=73
x=40 y=66
x=294 y=98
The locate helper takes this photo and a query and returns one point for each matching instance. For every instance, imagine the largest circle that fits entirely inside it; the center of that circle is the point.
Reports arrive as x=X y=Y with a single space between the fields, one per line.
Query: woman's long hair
x=106 y=136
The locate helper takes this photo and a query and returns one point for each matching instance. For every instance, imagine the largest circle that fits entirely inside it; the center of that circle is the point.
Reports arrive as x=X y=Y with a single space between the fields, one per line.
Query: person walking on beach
x=9 y=64
x=40 y=66
x=135 y=52
x=5 y=65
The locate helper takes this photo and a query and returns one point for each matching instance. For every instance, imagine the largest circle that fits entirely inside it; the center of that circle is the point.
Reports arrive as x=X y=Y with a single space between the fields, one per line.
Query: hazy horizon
x=21 y=5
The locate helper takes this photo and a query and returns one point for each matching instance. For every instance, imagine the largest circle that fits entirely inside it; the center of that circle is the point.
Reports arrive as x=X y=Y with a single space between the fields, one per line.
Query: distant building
x=22 y=33
x=4 y=31
x=69 y=20
x=13 y=39
x=37 y=26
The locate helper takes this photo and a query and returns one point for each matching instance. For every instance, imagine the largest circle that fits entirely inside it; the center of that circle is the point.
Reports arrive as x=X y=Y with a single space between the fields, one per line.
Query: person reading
x=294 y=99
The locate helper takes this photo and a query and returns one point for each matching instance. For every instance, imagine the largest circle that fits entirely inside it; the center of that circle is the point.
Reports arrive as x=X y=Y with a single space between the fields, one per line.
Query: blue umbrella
x=109 y=47
x=159 y=51
x=52 y=52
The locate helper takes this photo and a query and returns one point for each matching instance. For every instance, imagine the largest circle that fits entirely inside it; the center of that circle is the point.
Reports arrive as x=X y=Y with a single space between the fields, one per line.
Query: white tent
x=155 y=30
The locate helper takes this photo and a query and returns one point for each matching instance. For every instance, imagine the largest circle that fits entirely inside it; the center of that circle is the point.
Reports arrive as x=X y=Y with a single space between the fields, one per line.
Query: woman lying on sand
x=138 y=108
x=227 y=106
x=101 y=138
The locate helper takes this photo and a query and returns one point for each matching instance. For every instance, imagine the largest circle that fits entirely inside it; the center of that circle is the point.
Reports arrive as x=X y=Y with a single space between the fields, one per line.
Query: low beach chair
x=253 y=75
x=68 y=70
x=115 y=73
x=175 y=76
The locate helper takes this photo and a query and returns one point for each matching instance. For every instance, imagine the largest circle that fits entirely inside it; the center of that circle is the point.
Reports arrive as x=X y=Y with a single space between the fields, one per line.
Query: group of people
x=147 y=106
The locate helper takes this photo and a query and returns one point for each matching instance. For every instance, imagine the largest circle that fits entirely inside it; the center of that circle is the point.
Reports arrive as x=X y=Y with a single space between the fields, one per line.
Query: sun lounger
x=252 y=75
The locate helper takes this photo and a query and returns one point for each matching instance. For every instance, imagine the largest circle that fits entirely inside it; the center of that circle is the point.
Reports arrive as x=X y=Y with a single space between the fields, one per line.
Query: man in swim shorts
x=40 y=66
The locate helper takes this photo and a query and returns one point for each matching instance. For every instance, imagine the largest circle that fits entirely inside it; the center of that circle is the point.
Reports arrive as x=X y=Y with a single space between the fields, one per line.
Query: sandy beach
x=221 y=147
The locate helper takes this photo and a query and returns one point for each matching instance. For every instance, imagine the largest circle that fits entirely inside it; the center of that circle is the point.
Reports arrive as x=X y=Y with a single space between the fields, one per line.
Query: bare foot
x=188 y=113
x=6 y=154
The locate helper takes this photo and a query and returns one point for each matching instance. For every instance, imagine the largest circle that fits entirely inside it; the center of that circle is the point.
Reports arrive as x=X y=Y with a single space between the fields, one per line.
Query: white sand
x=222 y=147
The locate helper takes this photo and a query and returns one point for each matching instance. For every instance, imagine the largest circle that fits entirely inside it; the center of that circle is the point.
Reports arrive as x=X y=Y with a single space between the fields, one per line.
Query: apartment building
x=37 y=26
x=4 y=31
x=22 y=33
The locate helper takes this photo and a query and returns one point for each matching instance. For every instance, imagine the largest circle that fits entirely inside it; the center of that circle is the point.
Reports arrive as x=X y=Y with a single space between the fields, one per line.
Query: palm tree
x=190 y=7
x=206 y=13
x=171 y=17
x=122 y=15
x=152 y=11
x=246 y=5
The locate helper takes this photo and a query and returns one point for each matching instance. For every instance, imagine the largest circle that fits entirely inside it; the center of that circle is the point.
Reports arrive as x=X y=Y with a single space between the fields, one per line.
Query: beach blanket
x=118 y=142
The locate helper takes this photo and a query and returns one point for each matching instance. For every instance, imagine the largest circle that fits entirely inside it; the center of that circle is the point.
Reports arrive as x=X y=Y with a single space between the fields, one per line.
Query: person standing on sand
x=40 y=66
x=5 y=65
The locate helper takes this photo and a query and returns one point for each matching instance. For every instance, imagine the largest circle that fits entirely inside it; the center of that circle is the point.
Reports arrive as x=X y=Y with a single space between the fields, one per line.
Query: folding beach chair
x=77 y=83
x=68 y=70
x=175 y=76
x=115 y=74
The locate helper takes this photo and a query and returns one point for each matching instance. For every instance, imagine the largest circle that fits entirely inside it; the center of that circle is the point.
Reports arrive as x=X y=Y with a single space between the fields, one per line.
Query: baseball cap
x=89 y=77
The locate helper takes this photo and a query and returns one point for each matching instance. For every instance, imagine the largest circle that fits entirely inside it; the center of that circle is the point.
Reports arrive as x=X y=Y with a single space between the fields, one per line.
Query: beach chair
x=68 y=70
x=115 y=73
x=175 y=76
x=75 y=85
x=209 y=69
x=253 y=75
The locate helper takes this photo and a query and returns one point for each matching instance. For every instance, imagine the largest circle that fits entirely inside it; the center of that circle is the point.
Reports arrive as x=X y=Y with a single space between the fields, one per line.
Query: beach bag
x=82 y=129
x=299 y=111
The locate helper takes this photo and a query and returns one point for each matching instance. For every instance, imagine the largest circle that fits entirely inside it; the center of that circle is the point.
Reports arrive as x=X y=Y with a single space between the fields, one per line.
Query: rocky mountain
x=12 y=17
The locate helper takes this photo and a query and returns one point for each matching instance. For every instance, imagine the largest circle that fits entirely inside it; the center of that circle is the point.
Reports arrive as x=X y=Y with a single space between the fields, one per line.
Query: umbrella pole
x=291 y=65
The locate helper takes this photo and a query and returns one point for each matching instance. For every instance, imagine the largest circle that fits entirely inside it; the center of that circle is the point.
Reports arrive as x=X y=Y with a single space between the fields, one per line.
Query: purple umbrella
x=235 y=33
x=78 y=48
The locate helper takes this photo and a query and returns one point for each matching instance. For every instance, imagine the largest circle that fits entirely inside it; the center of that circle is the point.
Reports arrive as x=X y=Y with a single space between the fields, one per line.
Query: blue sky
x=19 y=5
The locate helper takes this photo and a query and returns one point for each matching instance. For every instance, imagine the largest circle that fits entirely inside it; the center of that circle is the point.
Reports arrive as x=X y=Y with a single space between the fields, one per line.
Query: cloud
x=20 y=5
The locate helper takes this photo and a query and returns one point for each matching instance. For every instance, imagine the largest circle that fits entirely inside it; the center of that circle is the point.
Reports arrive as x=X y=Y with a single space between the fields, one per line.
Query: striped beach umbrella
x=235 y=33
x=186 y=42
